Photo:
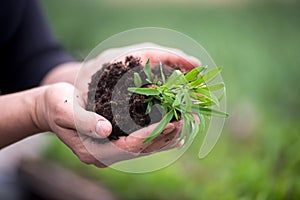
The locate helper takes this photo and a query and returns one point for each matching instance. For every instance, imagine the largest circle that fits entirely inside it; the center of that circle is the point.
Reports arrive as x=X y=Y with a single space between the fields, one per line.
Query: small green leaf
x=208 y=95
x=162 y=73
x=207 y=103
x=195 y=130
x=144 y=91
x=212 y=74
x=208 y=76
x=190 y=130
x=175 y=114
x=147 y=70
x=178 y=99
x=188 y=101
x=202 y=121
x=175 y=76
x=149 y=106
x=167 y=98
x=197 y=82
x=191 y=75
x=137 y=80
x=184 y=130
x=215 y=87
x=212 y=112
x=160 y=127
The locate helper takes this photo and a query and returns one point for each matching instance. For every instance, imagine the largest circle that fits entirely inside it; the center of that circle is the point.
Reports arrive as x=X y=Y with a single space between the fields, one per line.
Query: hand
x=144 y=51
x=156 y=54
x=55 y=112
x=84 y=144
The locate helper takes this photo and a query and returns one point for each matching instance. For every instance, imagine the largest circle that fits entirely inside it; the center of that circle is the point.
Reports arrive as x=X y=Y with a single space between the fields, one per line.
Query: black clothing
x=28 y=50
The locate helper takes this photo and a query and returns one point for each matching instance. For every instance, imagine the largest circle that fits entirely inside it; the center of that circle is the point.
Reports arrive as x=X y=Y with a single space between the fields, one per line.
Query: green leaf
x=206 y=77
x=175 y=114
x=175 y=76
x=197 y=82
x=202 y=121
x=160 y=127
x=208 y=95
x=195 y=130
x=212 y=112
x=187 y=100
x=215 y=87
x=149 y=106
x=147 y=70
x=178 y=99
x=191 y=75
x=162 y=73
x=206 y=103
x=184 y=130
x=212 y=74
x=167 y=98
x=144 y=91
x=137 y=80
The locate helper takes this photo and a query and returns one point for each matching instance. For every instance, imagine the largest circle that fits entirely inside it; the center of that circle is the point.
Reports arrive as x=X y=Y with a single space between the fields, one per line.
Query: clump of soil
x=108 y=96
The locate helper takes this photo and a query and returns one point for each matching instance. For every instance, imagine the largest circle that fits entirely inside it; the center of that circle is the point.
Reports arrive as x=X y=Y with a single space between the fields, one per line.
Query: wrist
x=36 y=103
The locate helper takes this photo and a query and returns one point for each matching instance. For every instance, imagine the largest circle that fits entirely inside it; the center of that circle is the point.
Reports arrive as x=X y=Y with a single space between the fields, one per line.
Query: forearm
x=17 y=118
x=65 y=72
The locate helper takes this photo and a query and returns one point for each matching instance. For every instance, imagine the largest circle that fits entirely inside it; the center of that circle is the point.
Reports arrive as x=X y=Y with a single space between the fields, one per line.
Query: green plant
x=182 y=96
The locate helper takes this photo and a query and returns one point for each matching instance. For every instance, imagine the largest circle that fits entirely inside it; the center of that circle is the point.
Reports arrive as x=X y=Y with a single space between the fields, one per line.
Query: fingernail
x=103 y=128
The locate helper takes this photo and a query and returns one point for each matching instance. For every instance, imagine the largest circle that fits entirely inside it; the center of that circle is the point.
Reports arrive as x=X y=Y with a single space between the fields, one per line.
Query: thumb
x=103 y=126
x=91 y=124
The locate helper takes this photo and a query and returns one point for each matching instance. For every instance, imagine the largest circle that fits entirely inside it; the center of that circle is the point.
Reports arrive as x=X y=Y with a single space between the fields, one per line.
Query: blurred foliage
x=257 y=156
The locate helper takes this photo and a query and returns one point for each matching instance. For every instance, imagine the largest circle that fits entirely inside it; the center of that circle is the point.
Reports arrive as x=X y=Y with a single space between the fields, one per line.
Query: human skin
x=51 y=108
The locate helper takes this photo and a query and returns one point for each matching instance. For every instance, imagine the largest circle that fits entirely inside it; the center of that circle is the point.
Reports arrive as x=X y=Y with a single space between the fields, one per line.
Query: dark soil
x=108 y=96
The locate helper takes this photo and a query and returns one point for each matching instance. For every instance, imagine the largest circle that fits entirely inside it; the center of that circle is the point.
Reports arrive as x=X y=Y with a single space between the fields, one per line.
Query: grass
x=258 y=45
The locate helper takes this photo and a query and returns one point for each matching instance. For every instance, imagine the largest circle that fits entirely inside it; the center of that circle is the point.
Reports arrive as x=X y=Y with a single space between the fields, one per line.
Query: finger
x=166 y=55
x=166 y=142
x=160 y=144
x=124 y=148
x=108 y=153
x=184 y=62
x=77 y=145
x=91 y=124
x=134 y=142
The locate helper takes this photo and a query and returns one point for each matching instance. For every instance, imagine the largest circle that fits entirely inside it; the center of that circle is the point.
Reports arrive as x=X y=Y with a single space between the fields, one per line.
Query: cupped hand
x=155 y=53
x=55 y=111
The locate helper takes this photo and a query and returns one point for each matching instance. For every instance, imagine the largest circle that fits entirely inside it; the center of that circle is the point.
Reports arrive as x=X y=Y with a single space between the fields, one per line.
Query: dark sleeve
x=28 y=49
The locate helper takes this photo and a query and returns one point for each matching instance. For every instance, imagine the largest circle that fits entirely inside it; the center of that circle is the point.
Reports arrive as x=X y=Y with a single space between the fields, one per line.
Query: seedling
x=182 y=96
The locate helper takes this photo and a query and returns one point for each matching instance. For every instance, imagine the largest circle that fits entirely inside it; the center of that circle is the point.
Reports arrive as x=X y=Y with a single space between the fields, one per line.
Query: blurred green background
x=258 y=44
